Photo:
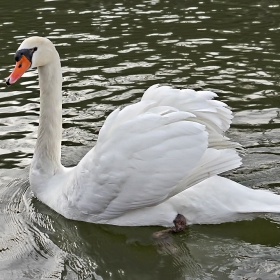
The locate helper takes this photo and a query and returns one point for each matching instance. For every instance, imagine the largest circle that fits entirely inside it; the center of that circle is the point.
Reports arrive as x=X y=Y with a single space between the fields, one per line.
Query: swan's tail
x=218 y=200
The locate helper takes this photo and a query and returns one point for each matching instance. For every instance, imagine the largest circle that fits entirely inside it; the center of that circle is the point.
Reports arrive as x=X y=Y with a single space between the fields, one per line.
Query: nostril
x=20 y=65
x=8 y=82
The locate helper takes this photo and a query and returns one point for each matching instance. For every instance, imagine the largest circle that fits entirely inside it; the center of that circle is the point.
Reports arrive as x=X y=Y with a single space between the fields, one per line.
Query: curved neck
x=47 y=154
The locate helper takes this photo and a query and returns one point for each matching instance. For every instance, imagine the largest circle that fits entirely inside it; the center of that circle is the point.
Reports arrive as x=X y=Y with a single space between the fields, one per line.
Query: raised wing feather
x=150 y=151
x=213 y=114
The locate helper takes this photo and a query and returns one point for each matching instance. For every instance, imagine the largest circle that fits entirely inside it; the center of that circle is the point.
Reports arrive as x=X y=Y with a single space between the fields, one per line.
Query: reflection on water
x=111 y=52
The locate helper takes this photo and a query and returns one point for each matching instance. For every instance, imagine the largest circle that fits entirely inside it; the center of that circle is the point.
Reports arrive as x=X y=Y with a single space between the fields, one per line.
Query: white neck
x=47 y=154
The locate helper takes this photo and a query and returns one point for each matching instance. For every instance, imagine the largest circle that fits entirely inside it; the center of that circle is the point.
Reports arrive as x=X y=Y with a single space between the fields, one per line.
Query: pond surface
x=111 y=52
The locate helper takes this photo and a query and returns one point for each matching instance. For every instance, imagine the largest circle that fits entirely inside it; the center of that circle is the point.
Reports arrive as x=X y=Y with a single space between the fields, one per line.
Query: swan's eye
x=33 y=50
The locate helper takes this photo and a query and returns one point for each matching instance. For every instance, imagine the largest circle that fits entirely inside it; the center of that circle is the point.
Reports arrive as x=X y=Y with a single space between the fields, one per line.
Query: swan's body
x=153 y=159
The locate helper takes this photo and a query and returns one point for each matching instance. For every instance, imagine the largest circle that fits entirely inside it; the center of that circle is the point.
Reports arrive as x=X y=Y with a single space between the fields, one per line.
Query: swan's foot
x=180 y=223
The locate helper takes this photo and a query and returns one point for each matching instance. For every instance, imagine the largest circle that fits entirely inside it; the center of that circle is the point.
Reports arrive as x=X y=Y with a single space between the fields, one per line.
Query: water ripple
x=110 y=53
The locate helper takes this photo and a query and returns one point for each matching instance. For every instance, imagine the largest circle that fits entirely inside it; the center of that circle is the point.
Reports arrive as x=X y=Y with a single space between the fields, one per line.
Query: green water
x=111 y=52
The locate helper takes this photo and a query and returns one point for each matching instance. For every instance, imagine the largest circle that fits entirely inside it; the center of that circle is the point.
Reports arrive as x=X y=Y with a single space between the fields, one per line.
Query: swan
x=155 y=163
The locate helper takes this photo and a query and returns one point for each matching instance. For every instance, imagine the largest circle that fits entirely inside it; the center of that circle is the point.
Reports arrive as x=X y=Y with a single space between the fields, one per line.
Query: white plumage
x=152 y=160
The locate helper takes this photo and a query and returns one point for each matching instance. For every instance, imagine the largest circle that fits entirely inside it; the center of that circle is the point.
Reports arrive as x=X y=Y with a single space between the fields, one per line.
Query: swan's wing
x=139 y=158
x=212 y=163
x=214 y=114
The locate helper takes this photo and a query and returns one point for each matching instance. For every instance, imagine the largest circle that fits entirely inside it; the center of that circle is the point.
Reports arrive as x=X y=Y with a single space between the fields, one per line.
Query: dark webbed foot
x=180 y=223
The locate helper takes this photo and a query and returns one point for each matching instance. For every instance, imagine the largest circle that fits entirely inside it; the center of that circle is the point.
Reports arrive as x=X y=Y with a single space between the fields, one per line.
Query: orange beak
x=21 y=66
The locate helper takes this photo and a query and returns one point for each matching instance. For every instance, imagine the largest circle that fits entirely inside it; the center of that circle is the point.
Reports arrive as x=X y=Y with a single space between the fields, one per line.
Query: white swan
x=153 y=160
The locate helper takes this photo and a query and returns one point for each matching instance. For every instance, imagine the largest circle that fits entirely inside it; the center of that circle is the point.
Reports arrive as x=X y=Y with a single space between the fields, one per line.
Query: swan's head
x=33 y=52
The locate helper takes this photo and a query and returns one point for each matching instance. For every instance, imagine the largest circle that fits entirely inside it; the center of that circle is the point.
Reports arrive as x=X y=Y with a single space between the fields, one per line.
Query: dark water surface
x=111 y=52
